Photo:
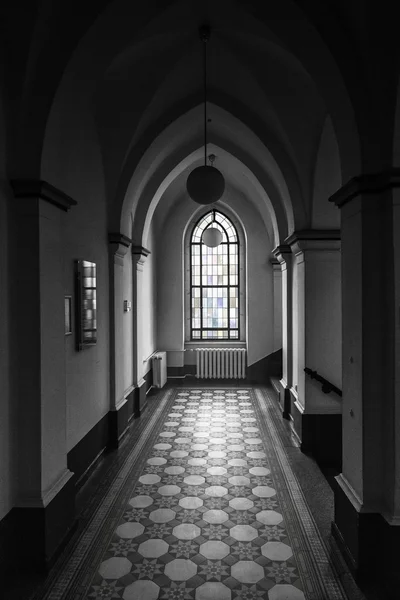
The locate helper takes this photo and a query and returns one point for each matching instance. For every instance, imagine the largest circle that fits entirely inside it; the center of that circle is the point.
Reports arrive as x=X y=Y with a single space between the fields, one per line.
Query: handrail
x=327 y=386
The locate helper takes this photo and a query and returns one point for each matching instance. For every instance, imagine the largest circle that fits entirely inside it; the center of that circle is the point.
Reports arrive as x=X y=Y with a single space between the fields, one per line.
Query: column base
x=139 y=398
x=33 y=537
x=119 y=420
x=284 y=399
x=368 y=544
x=319 y=434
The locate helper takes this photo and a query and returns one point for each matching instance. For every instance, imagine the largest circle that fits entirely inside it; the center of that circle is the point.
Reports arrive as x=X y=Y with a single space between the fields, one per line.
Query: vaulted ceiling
x=128 y=77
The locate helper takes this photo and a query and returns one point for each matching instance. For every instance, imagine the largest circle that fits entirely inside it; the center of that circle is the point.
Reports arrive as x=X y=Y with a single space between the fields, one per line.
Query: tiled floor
x=205 y=507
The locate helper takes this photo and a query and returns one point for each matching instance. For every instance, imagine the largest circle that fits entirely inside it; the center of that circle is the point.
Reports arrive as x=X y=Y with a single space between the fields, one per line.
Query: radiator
x=159 y=369
x=221 y=363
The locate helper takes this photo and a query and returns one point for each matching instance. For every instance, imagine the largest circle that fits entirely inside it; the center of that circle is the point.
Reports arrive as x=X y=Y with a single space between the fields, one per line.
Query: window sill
x=192 y=345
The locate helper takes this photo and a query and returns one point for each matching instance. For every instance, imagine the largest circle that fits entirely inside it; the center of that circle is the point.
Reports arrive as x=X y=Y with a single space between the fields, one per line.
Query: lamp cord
x=205 y=98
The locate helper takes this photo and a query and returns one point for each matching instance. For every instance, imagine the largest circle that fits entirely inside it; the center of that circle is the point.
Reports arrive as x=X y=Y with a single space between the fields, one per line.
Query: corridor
x=203 y=503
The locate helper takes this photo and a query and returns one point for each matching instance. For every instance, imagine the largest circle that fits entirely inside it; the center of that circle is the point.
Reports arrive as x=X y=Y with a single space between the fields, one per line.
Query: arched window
x=214 y=281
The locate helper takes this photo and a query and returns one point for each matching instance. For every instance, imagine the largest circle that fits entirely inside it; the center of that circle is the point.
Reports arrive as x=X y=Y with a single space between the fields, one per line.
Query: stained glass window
x=214 y=279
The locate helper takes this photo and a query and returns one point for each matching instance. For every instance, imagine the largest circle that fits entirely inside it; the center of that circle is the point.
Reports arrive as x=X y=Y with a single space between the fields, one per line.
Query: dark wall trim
x=371 y=183
x=361 y=538
x=44 y=531
x=320 y=435
x=140 y=250
x=313 y=235
x=149 y=380
x=119 y=238
x=264 y=369
x=181 y=371
x=35 y=188
x=81 y=456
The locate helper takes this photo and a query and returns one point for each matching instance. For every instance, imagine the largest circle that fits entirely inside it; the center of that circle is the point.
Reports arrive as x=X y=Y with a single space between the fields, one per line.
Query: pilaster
x=45 y=507
x=139 y=255
x=121 y=396
x=283 y=254
x=366 y=506
x=317 y=341
x=277 y=284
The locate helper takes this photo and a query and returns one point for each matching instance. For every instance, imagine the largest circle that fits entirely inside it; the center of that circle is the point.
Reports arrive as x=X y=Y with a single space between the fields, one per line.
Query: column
x=284 y=256
x=367 y=507
x=317 y=343
x=277 y=285
x=121 y=367
x=45 y=507
x=139 y=255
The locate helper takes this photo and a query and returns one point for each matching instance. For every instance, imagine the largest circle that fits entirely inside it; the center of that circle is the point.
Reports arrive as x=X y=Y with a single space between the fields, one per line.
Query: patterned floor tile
x=204 y=517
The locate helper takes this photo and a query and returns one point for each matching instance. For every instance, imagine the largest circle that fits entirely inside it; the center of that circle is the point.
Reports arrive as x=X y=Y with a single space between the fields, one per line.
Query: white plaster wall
x=260 y=290
x=123 y=327
x=169 y=248
x=170 y=265
x=277 y=277
x=149 y=331
x=52 y=380
x=295 y=321
x=323 y=343
x=75 y=166
x=127 y=319
x=327 y=180
x=353 y=441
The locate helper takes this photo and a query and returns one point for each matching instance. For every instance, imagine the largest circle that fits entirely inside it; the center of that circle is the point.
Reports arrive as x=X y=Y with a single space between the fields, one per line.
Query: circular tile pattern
x=162 y=515
x=141 y=501
x=114 y=568
x=153 y=548
x=215 y=516
x=169 y=490
x=186 y=531
x=269 y=517
x=130 y=530
x=207 y=516
x=276 y=551
x=180 y=569
x=157 y=460
x=191 y=502
x=141 y=589
x=263 y=491
x=214 y=550
x=216 y=491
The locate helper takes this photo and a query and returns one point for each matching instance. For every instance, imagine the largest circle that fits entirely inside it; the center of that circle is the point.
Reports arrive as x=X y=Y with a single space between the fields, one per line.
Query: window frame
x=240 y=341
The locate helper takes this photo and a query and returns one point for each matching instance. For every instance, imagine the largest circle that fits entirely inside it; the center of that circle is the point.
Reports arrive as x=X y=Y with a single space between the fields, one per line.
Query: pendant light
x=205 y=184
x=212 y=237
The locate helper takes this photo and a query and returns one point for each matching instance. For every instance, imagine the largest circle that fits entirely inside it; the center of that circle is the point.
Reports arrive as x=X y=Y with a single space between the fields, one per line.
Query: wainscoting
x=319 y=435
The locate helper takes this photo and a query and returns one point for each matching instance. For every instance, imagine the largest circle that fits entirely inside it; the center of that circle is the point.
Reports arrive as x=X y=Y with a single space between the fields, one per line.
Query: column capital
x=314 y=239
x=35 y=188
x=139 y=254
x=370 y=183
x=119 y=244
x=282 y=253
x=276 y=265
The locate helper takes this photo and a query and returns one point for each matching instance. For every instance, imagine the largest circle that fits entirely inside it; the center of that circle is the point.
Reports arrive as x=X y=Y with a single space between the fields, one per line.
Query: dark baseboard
x=320 y=435
x=149 y=380
x=31 y=539
x=262 y=371
x=119 y=421
x=285 y=401
x=181 y=371
x=369 y=546
x=83 y=457
x=140 y=399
